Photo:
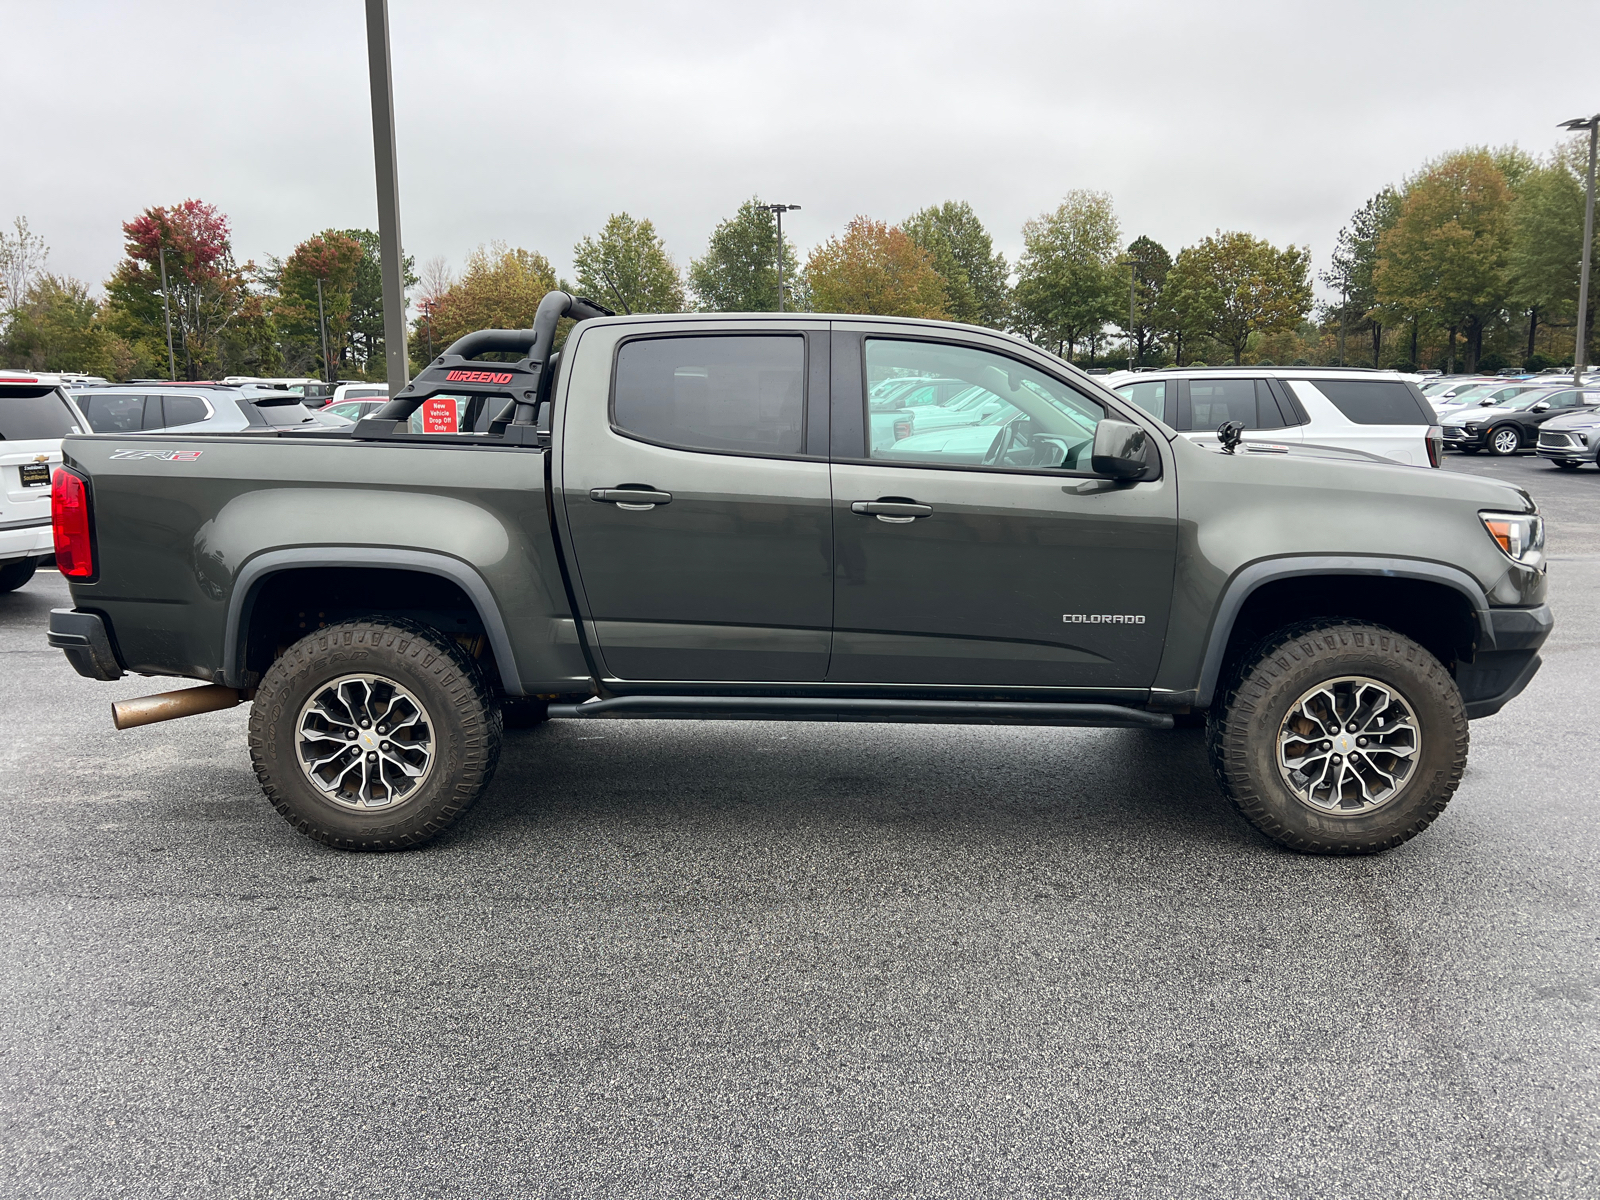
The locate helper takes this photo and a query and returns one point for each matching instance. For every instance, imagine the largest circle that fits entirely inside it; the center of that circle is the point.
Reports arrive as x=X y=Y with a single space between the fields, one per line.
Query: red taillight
x=902 y=428
x=1435 y=441
x=69 y=515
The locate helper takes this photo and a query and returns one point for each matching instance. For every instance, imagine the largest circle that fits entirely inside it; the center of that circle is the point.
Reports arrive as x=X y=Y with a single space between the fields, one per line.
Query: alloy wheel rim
x=1349 y=745
x=1505 y=441
x=365 y=742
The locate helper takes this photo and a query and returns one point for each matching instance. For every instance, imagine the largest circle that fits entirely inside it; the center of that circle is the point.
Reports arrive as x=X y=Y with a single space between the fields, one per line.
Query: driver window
x=995 y=412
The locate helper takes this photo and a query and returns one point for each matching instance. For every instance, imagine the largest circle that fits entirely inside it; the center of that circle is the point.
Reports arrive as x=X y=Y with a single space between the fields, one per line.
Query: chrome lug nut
x=1361 y=741
x=350 y=733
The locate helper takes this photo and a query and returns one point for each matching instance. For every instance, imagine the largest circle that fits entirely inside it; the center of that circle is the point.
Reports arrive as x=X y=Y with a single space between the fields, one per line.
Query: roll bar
x=524 y=383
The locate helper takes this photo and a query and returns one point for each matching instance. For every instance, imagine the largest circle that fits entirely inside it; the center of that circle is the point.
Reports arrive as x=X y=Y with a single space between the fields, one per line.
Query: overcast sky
x=532 y=122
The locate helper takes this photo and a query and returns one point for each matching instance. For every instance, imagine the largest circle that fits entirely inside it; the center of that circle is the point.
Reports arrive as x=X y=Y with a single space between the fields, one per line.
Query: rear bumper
x=26 y=539
x=85 y=640
x=1496 y=677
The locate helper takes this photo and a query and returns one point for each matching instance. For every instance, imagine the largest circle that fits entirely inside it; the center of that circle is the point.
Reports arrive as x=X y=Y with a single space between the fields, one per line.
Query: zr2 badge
x=163 y=455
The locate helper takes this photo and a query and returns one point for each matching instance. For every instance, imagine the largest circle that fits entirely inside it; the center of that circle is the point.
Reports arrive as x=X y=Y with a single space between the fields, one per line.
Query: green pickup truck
x=688 y=517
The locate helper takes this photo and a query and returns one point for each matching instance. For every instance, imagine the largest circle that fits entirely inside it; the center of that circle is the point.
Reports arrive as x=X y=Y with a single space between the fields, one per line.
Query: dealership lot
x=761 y=959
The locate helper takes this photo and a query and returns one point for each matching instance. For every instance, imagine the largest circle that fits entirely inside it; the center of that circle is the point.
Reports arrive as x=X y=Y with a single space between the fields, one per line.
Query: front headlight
x=1519 y=535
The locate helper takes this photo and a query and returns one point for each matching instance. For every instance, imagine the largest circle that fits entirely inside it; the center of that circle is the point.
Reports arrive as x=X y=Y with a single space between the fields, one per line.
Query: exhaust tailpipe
x=168 y=706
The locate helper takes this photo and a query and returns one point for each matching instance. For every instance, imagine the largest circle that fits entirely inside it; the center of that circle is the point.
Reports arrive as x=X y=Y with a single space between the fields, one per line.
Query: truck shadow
x=1101 y=784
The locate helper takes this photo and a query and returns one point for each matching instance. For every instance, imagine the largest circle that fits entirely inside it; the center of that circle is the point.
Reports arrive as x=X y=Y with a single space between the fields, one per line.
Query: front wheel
x=374 y=735
x=1564 y=465
x=1340 y=738
x=1505 y=441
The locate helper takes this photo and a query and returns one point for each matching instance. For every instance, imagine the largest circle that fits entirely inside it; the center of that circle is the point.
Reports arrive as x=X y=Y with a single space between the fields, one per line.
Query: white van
x=35 y=414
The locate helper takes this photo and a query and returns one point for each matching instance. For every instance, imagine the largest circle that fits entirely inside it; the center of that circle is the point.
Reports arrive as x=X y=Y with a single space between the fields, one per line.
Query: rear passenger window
x=1375 y=401
x=740 y=395
x=115 y=414
x=1212 y=402
x=182 y=410
x=1151 y=395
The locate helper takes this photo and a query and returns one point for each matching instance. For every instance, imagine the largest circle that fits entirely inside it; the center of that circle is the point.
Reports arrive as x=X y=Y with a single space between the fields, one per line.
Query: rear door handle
x=632 y=499
x=891 y=512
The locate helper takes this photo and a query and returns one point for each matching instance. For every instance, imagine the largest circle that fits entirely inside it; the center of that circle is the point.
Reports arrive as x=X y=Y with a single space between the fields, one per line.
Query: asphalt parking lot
x=678 y=959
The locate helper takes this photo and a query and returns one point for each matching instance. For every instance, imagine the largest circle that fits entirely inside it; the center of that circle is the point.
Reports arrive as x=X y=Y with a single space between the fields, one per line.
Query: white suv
x=35 y=414
x=1381 y=413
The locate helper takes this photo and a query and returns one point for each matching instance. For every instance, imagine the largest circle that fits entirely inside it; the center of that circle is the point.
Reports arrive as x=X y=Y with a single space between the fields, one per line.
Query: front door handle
x=632 y=499
x=891 y=512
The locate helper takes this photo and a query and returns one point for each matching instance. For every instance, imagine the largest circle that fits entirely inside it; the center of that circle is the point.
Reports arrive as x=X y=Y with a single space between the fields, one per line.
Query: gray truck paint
x=758 y=571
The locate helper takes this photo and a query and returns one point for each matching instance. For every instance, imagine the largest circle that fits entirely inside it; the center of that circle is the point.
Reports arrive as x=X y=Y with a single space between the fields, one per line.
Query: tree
x=331 y=259
x=875 y=269
x=1067 y=279
x=56 y=327
x=1355 y=263
x=1546 y=244
x=739 y=272
x=1232 y=285
x=1445 y=257
x=500 y=289
x=975 y=274
x=205 y=288
x=627 y=268
x=22 y=258
x=363 y=347
x=1151 y=264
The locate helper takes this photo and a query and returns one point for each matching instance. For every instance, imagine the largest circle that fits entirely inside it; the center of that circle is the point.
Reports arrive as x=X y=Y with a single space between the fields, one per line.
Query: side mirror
x=1541 y=407
x=1121 y=450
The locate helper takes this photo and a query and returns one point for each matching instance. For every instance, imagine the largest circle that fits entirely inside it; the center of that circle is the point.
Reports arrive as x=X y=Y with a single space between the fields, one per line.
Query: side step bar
x=798 y=708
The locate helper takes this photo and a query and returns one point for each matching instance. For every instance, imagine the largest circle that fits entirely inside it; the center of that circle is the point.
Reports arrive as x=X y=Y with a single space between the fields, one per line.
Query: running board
x=799 y=708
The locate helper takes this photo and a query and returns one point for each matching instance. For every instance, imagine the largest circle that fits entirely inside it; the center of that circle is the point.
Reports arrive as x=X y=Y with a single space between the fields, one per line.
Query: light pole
x=166 y=307
x=1133 y=311
x=1592 y=124
x=778 y=210
x=394 y=291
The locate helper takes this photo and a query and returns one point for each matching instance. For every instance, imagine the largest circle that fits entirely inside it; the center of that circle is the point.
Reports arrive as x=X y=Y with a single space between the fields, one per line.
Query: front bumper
x=1564 y=447
x=85 y=640
x=1496 y=677
x=1457 y=438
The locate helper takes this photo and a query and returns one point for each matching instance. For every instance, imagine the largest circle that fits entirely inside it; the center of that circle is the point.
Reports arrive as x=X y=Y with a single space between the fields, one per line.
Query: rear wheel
x=1504 y=441
x=1340 y=738
x=374 y=735
x=16 y=573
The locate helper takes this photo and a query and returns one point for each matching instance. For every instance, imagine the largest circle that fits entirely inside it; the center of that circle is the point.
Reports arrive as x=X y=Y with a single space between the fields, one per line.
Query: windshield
x=34 y=414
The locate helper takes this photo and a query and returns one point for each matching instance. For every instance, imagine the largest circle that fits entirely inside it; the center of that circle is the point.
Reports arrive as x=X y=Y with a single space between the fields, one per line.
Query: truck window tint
x=115 y=414
x=1151 y=395
x=1377 y=401
x=734 y=394
x=1006 y=416
x=182 y=410
x=27 y=415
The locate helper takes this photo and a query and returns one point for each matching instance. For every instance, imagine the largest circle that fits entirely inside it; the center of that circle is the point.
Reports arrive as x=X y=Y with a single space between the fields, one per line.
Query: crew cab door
x=990 y=555
x=694 y=484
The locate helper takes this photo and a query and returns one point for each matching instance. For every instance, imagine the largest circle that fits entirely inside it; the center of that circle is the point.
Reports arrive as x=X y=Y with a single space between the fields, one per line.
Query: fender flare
x=1252 y=577
x=255 y=572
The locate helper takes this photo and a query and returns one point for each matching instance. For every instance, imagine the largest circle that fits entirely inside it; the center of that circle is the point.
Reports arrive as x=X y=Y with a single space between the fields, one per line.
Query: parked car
x=1485 y=396
x=1504 y=427
x=1572 y=438
x=359 y=391
x=1376 y=412
x=685 y=518
x=36 y=412
x=196 y=408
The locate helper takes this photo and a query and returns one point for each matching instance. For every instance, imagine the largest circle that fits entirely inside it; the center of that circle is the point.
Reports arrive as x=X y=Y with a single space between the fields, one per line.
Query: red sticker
x=439 y=415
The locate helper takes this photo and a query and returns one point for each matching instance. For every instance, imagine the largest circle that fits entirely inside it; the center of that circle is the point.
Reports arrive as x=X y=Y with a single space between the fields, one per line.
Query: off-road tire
x=1242 y=734
x=464 y=720
x=1494 y=434
x=16 y=573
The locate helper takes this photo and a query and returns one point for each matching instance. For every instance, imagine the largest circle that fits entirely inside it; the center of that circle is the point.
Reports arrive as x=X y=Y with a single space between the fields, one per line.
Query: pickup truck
x=685 y=517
